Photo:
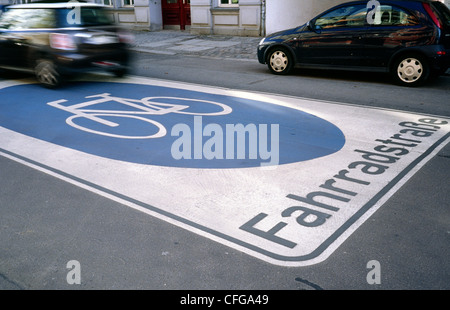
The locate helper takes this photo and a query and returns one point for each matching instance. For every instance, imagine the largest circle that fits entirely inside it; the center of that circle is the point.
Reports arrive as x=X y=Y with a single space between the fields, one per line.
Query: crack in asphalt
x=310 y=284
x=6 y=279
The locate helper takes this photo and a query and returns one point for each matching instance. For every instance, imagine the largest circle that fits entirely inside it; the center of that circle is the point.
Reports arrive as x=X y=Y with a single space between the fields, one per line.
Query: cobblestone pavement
x=172 y=42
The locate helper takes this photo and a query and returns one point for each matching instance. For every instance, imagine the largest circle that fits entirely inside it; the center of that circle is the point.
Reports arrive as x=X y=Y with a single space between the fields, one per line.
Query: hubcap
x=279 y=61
x=410 y=70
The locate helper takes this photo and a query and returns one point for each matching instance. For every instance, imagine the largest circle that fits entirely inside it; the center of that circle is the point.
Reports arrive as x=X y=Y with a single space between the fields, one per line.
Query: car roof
x=54 y=5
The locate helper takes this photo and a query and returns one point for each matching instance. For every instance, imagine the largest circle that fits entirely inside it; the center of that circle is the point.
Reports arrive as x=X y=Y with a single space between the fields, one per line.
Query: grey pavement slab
x=210 y=43
x=169 y=42
x=190 y=48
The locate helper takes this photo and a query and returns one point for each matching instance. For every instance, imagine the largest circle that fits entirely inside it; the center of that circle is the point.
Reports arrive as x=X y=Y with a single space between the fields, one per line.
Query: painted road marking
x=337 y=165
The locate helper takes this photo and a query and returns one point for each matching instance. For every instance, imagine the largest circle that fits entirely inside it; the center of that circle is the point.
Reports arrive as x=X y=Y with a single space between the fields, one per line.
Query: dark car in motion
x=58 y=40
x=408 y=39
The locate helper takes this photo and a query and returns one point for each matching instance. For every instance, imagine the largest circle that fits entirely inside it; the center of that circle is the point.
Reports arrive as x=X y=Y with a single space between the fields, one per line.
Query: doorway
x=176 y=13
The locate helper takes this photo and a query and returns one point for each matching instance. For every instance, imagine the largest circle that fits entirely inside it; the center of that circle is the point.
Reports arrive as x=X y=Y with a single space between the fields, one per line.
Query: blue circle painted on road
x=164 y=126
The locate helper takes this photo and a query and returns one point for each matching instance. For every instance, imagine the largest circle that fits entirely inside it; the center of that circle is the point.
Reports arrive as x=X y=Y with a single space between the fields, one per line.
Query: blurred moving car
x=409 y=39
x=56 y=40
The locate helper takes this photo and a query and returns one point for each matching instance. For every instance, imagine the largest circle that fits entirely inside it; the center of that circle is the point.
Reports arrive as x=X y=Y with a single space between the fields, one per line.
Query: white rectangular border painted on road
x=294 y=215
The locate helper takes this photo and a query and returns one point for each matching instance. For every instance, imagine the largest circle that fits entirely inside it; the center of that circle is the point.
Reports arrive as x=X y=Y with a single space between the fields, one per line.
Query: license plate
x=98 y=40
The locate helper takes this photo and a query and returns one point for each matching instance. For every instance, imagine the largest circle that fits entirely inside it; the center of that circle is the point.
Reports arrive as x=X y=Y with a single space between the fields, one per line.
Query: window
x=128 y=2
x=391 y=16
x=347 y=16
x=17 y=19
x=228 y=3
x=107 y=2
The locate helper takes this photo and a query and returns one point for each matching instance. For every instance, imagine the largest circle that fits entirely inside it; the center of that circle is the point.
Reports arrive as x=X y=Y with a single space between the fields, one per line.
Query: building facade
x=230 y=17
x=222 y=17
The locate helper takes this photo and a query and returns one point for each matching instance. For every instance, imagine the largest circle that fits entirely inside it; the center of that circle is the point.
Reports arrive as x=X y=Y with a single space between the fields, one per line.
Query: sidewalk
x=172 y=42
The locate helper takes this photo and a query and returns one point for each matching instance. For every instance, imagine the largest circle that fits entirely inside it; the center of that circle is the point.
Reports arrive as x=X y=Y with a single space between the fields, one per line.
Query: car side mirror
x=313 y=27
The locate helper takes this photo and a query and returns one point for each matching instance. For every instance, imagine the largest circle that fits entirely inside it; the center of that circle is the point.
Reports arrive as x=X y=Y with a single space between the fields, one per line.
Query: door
x=336 y=38
x=14 y=45
x=176 y=13
x=393 y=29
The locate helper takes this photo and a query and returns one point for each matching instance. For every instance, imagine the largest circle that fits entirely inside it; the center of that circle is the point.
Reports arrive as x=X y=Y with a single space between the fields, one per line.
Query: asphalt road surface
x=72 y=221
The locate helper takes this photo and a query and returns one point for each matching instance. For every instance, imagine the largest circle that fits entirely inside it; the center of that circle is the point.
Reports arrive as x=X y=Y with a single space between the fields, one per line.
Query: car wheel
x=120 y=72
x=280 y=61
x=411 y=70
x=47 y=73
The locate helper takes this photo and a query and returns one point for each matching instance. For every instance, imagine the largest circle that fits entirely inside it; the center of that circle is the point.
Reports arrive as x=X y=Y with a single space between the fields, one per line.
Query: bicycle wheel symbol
x=159 y=134
x=158 y=104
x=138 y=110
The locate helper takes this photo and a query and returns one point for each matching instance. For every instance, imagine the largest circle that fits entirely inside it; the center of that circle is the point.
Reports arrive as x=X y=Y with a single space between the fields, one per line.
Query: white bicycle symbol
x=140 y=108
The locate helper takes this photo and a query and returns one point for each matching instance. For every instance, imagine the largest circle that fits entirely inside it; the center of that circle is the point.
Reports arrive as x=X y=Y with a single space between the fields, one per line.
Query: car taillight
x=62 y=41
x=432 y=14
x=125 y=37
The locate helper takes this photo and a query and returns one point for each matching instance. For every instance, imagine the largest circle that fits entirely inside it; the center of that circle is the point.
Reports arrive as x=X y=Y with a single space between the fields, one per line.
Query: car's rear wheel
x=280 y=61
x=47 y=74
x=411 y=70
x=120 y=72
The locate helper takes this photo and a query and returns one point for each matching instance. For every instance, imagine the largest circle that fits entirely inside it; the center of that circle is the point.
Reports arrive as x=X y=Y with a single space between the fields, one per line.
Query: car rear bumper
x=441 y=63
x=438 y=57
x=74 y=63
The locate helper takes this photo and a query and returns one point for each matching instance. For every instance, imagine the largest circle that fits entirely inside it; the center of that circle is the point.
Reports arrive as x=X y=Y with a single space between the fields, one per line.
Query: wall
x=137 y=17
x=284 y=14
x=201 y=17
x=208 y=18
x=156 y=22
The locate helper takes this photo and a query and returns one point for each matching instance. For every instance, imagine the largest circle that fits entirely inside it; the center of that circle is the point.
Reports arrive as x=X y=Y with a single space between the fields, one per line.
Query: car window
x=88 y=16
x=347 y=16
x=387 y=15
x=18 y=19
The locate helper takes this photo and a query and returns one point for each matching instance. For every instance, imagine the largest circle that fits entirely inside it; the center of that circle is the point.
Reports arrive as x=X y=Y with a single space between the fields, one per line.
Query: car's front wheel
x=47 y=73
x=280 y=61
x=411 y=70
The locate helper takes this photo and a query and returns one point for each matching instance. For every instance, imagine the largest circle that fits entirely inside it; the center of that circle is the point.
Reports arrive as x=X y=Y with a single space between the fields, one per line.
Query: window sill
x=225 y=10
x=121 y=8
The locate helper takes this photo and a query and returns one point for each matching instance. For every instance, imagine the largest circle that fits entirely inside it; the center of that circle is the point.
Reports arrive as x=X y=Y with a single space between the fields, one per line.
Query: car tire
x=120 y=72
x=280 y=61
x=47 y=73
x=411 y=70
